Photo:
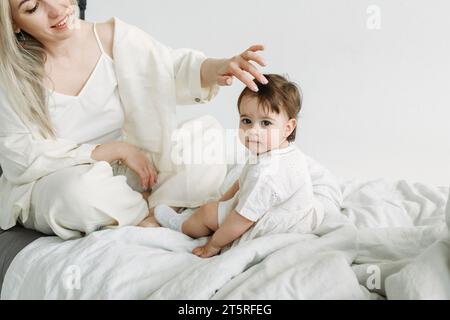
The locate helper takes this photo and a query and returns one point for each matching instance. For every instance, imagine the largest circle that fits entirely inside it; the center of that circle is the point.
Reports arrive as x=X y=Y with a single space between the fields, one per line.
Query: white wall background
x=377 y=102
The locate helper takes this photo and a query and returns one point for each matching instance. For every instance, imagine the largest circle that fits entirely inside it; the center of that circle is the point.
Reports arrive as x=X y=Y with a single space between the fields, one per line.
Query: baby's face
x=261 y=132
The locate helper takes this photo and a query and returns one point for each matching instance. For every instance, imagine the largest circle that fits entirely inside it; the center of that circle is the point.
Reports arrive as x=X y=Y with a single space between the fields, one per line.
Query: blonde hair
x=22 y=73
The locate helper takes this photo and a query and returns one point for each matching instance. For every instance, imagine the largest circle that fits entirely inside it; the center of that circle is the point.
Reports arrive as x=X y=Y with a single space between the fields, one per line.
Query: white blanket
x=385 y=243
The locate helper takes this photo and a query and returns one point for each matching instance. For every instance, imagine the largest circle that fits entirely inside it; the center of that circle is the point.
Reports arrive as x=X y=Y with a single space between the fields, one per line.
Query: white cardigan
x=152 y=80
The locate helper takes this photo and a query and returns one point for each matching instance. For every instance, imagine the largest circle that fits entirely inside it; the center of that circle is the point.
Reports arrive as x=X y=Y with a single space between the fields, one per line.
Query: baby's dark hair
x=279 y=94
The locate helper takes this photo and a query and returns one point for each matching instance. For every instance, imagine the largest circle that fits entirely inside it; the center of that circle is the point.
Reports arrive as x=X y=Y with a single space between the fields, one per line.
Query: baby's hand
x=206 y=251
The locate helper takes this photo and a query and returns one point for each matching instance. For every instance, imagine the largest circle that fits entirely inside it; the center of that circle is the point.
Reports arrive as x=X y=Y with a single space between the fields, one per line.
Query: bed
x=380 y=240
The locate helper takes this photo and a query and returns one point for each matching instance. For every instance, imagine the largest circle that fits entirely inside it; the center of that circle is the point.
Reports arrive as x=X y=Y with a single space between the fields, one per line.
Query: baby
x=274 y=191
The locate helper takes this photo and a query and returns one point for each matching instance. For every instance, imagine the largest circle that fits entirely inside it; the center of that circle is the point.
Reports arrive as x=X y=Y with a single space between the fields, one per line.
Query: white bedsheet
x=394 y=230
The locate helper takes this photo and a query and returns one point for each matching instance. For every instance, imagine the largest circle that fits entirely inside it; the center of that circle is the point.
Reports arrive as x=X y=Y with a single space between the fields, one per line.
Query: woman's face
x=45 y=20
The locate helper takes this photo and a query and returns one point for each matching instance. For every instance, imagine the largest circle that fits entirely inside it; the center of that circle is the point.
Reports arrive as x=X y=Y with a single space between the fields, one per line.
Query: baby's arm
x=231 y=192
x=234 y=226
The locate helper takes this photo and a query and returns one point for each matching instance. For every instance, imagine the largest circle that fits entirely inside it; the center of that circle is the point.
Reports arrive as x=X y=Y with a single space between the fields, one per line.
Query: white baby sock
x=169 y=218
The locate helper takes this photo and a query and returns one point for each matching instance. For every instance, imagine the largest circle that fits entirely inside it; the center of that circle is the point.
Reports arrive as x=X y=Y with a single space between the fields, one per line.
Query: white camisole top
x=96 y=115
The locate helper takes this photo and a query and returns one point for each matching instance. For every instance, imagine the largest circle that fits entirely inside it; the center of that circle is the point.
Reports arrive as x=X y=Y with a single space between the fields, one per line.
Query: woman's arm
x=234 y=226
x=109 y=152
x=25 y=159
x=196 y=77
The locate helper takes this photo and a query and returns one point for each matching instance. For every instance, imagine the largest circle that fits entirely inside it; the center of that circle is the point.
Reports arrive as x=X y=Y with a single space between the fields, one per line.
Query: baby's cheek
x=267 y=139
x=242 y=135
x=274 y=137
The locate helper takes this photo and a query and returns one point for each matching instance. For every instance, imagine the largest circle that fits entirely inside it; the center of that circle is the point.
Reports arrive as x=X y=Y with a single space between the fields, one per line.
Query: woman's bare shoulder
x=105 y=32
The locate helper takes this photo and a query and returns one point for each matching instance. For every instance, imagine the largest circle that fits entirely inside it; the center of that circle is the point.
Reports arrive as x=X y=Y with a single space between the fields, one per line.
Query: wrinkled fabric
x=152 y=80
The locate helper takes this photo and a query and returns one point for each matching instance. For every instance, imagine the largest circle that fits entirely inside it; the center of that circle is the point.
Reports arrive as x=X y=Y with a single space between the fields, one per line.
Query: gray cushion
x=12 y=241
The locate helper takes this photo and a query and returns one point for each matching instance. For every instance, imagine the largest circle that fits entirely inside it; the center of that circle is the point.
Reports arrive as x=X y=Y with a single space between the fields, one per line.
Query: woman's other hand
x=139 y=163
x=132 y=157
x=222 y=71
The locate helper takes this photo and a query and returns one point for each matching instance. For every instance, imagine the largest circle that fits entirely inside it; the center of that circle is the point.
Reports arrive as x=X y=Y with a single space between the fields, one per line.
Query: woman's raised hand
x=238 y=66
x=223 y=71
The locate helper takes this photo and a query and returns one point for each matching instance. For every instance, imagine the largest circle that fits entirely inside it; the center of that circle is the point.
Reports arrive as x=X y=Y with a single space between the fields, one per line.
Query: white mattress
x=389 y=241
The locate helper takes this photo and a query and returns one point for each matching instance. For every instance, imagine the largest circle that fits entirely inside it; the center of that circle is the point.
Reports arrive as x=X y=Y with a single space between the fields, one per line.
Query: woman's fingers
x=252 y=56
x=152 y=180
x=225 y=80
x=242 y=76
x=148 y=176
x=140 y=164
x=247 y=66
x=145 y=178
x=257 y=47
x=153 y=175
x=240 y=65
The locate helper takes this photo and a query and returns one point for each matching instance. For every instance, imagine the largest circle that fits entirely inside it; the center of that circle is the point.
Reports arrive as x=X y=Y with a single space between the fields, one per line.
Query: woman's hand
x=206 y=251
x=138 y=162
x=132 y=157
x=222 y=71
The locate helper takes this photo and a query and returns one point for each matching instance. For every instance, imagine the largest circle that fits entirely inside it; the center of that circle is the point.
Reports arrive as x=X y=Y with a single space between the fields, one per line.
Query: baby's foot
x=149 y=222
x=169 y=218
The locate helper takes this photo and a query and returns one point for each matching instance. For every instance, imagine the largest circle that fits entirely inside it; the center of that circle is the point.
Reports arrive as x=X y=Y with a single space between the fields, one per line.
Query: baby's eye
x=266 y=123
x=246 y=121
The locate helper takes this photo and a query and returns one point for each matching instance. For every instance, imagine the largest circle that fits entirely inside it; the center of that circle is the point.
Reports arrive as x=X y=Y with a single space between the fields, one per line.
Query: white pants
x=85 y=198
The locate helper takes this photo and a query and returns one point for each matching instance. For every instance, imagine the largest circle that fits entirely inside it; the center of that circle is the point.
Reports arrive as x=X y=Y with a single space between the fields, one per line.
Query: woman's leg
x=203 y=222
x=81 y=199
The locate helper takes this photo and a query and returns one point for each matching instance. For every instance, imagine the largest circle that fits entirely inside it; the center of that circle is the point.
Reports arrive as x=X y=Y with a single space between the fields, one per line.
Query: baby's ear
x=290 y=127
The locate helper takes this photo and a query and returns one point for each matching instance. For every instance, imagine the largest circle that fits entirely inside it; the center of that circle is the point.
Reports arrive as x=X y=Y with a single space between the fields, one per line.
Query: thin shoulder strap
x=98 y=39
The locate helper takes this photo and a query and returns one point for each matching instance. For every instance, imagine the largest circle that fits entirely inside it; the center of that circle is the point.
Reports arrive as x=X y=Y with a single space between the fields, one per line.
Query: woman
x=86 y=109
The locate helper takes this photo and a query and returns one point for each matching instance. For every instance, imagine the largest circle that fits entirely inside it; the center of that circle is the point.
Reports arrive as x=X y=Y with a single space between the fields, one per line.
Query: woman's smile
x=62 y=24
x=65 y=22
